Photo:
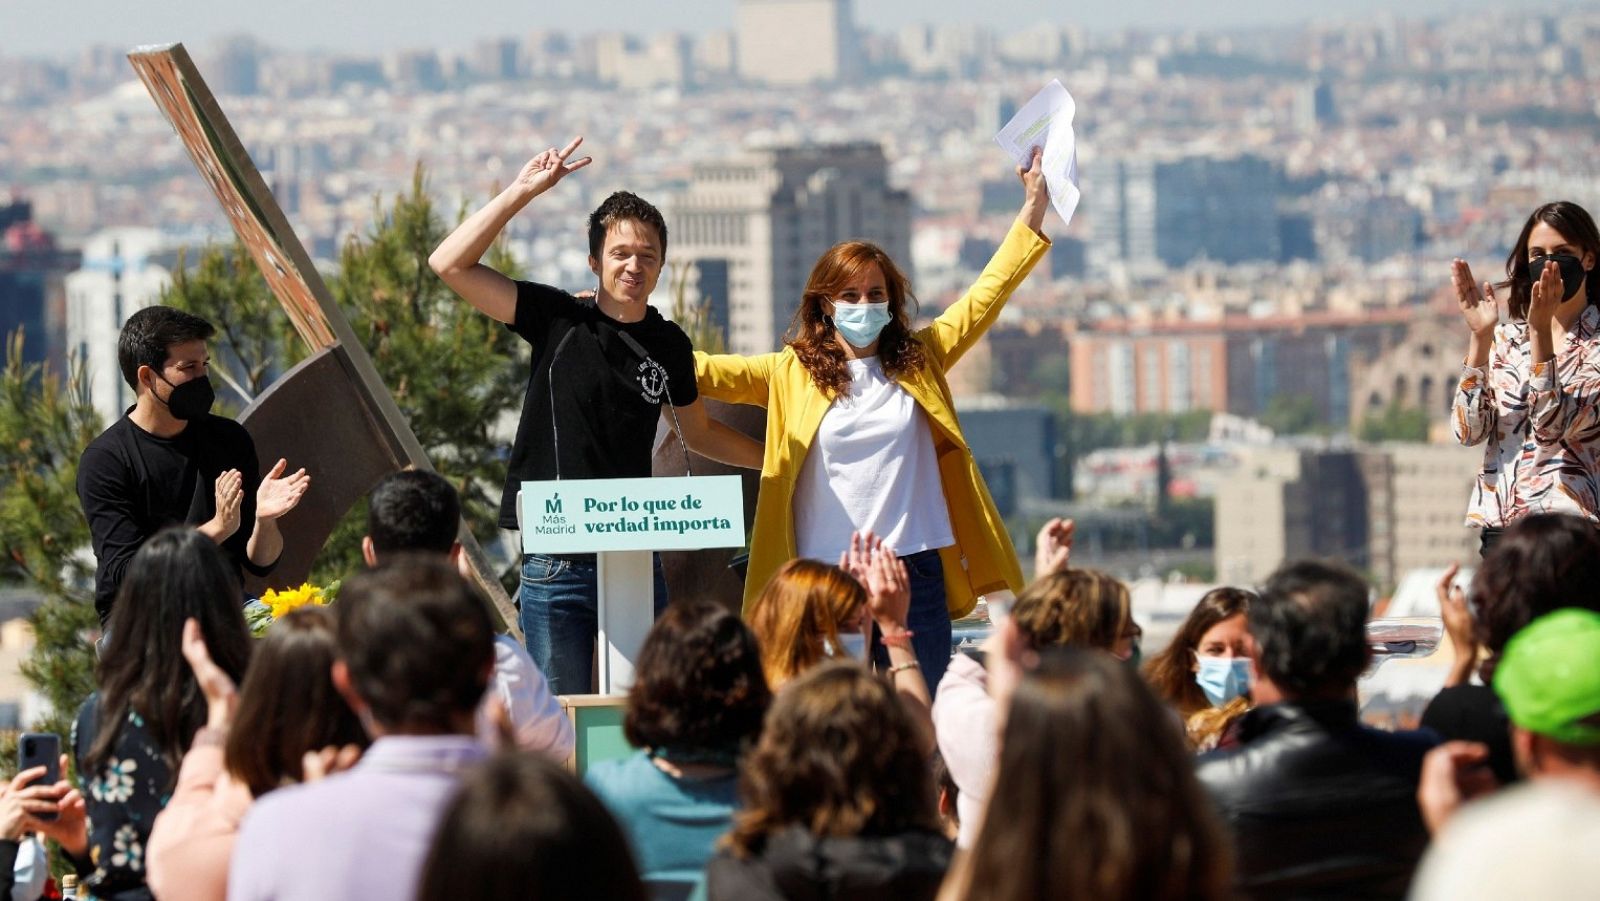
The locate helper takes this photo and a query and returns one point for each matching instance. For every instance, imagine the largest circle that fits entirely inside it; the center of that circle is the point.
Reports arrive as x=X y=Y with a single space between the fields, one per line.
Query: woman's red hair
x=812 y=335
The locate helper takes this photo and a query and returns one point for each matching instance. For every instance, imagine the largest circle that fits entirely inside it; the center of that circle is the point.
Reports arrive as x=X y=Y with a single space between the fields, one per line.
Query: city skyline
x=41 y=29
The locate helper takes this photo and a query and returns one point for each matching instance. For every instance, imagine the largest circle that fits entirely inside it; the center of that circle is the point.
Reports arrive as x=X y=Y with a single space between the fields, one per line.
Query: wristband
x=900 y=639
x=899 y=667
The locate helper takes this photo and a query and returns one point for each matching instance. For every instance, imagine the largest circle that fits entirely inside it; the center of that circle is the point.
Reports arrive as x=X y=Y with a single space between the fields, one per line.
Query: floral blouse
x=122 y=799
x=1540 y=425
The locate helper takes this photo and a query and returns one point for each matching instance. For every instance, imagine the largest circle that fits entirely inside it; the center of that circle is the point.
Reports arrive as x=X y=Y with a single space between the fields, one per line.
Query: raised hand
x=1545 y=296
x=1479 y=308
x=222 y=696
x=279 y=493
x=1035 y=192
x=541 y=173
x=888 y=589
x=1053 y=547
x=229 y=493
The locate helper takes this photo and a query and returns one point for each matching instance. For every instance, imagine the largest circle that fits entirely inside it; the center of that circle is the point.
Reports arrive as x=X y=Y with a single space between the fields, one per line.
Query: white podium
x=623 y=522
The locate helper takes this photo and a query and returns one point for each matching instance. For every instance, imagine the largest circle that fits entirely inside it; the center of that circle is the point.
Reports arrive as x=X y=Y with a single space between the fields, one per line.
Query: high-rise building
x=1182 y=210
x=792 y=42
x=119 y=275
x=31 y=272
x=772 y=213
x=1289 y=503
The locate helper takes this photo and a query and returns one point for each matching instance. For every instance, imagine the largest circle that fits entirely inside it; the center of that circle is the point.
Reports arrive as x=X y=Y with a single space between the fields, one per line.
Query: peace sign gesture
x=541 y=173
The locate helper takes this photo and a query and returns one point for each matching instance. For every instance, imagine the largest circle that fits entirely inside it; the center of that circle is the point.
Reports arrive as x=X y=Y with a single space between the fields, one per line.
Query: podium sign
x=621 y=521
x=585 y=516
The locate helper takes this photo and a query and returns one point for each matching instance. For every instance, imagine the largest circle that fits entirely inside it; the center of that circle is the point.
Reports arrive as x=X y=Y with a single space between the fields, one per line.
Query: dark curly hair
x=624 y=206
x=698 y=685
x=417 y=640
x=1543 y=562
x=812 y=335
x=838 y=756
x=1310 y=627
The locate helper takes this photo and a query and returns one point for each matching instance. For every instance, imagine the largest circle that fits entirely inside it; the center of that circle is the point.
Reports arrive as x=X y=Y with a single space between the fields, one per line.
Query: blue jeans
x=928 y=619
x=558 y=608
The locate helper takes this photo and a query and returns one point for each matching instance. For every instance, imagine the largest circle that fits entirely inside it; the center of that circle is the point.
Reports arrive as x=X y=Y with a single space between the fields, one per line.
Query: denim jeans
x=928 y=619
x=558 y=607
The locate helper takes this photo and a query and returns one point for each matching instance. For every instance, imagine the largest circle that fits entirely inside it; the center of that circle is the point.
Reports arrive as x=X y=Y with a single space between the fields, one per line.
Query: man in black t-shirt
x=168 y=461
x=603 y=374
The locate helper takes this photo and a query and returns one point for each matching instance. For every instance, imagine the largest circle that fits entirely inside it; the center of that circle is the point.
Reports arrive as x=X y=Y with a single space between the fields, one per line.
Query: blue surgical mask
x=861 y=323
x=1223 y=678
x=852 y=646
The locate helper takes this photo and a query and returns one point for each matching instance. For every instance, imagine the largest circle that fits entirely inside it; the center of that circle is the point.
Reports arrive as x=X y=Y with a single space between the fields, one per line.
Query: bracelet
x=899 y=667
x=900 y=639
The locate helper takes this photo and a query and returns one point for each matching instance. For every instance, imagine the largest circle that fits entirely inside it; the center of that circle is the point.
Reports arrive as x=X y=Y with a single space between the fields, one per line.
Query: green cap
x=1549 y=677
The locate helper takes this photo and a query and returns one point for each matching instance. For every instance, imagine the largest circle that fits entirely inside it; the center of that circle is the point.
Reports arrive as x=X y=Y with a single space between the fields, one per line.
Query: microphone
x=636 y=347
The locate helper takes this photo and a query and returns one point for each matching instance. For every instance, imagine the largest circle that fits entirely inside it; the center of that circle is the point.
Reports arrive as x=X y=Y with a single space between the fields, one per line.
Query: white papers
x=1046 y=121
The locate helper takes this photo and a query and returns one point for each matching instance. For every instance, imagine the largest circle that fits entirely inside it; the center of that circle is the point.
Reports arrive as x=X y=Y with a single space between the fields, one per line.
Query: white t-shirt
x=871 y=467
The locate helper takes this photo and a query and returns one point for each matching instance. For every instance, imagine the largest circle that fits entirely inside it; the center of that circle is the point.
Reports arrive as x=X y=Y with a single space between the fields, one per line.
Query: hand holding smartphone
x=35 y=749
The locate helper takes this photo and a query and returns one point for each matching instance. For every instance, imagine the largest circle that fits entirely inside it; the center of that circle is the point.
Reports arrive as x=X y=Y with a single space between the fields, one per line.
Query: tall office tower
x=1181 y=210
x=31 y=271
x=771 y=213
x=792 y=42
x=118 y=277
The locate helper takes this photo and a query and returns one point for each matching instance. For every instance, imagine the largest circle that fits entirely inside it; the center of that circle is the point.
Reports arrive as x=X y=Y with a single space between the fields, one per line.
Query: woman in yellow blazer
x=862 y=433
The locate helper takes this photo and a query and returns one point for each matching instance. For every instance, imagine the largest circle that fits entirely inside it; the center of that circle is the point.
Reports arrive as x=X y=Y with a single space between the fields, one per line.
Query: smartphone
x=40 y=749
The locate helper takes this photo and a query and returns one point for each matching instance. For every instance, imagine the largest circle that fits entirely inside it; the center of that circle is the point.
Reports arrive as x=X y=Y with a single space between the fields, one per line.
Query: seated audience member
x=1542 y=562
x=131 y=734
x=415 y=649
x=838 y=802
x=1536 y=840
x=522 y=828
x=1099 y=796
x=1318 y=803
x=418 y=511
x=1067 y=608
x=811 y=611
x=287 y=707
x=695 y=707
x=1206 y=669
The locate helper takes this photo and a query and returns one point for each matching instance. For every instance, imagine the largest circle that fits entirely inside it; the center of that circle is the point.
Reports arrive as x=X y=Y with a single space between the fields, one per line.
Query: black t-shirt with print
x=607 y=395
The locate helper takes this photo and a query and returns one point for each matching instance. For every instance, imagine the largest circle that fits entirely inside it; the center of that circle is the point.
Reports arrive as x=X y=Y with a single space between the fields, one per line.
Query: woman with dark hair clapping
x=1530 y=387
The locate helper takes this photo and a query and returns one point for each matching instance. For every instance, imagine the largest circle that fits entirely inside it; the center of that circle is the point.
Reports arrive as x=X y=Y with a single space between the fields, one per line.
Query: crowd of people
x=823 y=741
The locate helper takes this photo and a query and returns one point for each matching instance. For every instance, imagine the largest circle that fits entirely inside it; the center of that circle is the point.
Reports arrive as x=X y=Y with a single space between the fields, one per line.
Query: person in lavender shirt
x=416 y=647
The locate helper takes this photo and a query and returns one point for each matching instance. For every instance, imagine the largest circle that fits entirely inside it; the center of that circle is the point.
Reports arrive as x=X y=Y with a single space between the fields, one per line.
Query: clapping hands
x=881 y=572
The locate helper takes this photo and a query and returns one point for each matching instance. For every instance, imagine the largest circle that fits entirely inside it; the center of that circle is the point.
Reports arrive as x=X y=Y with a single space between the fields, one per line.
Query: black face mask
x=190 y=400
x=1572 y=272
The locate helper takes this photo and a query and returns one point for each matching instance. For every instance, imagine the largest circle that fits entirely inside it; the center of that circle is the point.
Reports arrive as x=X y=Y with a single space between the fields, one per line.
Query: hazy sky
x=55 y=27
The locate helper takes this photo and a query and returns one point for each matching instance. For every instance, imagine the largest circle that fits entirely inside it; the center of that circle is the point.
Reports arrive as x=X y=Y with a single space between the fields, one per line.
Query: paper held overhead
x=1046 y=122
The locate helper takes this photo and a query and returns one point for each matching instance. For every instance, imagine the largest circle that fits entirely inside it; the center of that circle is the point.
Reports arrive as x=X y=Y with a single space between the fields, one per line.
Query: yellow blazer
x=982 y=559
